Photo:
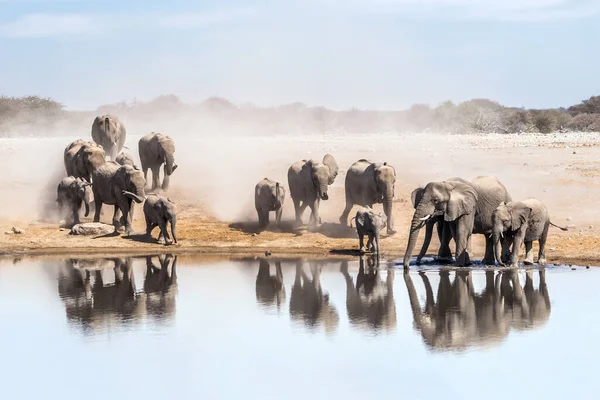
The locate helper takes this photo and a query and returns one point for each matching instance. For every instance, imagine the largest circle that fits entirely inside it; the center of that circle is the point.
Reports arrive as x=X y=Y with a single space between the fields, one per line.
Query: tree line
x=39 y=116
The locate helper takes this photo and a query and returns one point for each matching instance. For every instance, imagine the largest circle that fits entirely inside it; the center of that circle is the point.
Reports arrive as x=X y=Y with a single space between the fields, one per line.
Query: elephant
x=308 y=182
x=125 y=159
x=269 y=289
x=82 y=158
x=370 y=303
x=118 y=185
x=109 y=133
x=159 y=211
x=369 y=223
x=308 y=303
x=72 y=192
x=368 y=183
x=522 y=221
x=467 y=206
x=156 y=149
x=268 y=196
x=160 y=286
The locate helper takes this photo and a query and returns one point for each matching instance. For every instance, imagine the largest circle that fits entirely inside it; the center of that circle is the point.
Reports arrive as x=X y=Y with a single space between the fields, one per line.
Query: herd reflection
x=99 y=294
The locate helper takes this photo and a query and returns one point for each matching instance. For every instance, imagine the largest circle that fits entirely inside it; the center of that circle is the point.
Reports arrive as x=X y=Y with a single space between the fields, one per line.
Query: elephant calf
x=369 y=223
x=268 y=196
x=72 y=192
x=160 y=210
x=523 y=221
x=125 y=159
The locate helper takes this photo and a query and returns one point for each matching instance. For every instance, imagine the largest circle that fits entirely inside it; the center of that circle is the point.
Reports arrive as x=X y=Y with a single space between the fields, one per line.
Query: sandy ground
x=214 y=190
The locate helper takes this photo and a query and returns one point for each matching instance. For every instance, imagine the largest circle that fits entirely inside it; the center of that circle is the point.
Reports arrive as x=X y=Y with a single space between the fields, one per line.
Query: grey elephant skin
x=82 y=158
x=72 y=193
x=268 y=196
x=369 y=223
x=522 y=222
x=370 y=302
x=459 y=318
x=160 y=211
x=309 y=182
x=118 y=185
x=156 y=149
x=468 y=206
x=109 y=133
x=369 y=183
x=125 y=159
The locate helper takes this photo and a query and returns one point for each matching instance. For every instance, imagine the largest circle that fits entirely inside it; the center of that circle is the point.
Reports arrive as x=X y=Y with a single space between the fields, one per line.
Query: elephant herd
x=91 y=178
x=457 y=208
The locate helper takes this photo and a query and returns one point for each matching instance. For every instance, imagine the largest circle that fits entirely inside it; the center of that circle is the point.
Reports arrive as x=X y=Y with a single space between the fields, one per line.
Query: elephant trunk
x=497 y=247
x=137 y=197
x=173 y=222
x=387 y=209
x=416 y=224
x=323 y=191
x=170 y=165
x=87 y=208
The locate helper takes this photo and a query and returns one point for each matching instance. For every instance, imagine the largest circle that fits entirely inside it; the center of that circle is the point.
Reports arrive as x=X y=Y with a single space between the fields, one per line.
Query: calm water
x=173 y=328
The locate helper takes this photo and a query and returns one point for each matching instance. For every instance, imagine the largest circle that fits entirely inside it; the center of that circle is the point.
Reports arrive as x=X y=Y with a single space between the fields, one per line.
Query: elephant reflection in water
x=96 y=305
x=308 y=303
x=370 y=304
x=270 y=289
x=160 y=287
x=460 y=318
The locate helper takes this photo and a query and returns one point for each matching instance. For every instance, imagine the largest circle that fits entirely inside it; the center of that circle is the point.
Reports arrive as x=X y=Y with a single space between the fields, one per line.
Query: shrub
x=585 y=123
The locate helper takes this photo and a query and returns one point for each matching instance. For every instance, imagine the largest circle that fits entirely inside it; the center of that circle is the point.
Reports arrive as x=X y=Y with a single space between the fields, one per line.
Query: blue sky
x=383 y=54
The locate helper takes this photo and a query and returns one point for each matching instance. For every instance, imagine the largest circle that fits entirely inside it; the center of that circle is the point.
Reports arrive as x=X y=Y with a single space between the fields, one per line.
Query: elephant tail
x=559 y=227
x=353 y=218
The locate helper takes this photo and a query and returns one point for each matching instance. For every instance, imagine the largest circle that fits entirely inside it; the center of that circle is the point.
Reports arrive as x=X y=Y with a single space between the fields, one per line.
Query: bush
x=589 y=106
x=585 y=123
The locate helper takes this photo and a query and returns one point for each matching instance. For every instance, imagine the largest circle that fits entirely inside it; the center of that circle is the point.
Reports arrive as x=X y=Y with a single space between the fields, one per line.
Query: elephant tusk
x=425 y=218
x=502 y=235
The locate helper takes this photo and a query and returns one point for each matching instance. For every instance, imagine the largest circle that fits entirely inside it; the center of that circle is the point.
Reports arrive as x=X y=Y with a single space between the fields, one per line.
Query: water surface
x=168 y=327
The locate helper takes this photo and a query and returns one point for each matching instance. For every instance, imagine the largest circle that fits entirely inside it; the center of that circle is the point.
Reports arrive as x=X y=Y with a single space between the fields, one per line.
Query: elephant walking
x=82 y=158
x=268 y=196
x=368 y=183
x=109 y=133
x=72 y=192
x=155 y=150
x=160 y=211
x=118 y=185
x=308 y=182
x=521 y=221
x=369 y=223
x=468 y=206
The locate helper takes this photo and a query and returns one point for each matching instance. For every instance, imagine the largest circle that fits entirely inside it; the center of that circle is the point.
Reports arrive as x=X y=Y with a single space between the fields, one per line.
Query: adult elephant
x=118 y=185
x=109 y=133
x=155 y=150
x=368 y=183
x=468 y=206
x=82 y=158
x=308 y=182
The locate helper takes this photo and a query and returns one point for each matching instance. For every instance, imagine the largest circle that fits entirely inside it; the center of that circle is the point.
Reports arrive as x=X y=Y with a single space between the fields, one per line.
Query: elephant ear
x=519 y=215
x=333 y=167
x=463 y=200
x=361 y=218
x=415 y=196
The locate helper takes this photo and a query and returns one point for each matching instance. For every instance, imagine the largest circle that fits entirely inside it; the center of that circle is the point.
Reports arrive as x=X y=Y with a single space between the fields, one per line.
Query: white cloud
x=73 y=24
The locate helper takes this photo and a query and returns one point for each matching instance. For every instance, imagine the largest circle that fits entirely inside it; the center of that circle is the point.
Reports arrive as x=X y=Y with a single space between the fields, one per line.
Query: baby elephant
x=125 y=159
x=522 y=221
x=158 y=211
x=369 y=223
x=72 y=192
x=268 y=196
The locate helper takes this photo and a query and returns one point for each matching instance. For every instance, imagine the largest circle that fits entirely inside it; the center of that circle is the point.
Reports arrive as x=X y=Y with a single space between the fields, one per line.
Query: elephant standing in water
x=458 y=318
x=270 y=289
x=109 y=133
x=82 y=158
x=118 y=185
x=368 y=183
x=308 y=182
x=370 y=304
x=468 y=206
x=73 y=192
x=155 y=150
x=308 y=303
x=522 y=221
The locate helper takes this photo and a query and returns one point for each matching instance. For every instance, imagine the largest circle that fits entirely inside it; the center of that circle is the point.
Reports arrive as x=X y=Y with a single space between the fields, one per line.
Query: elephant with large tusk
x=521 y=221
x=308 y=182
x=118 y=185
x=467 y=206
x=368 y=183
x=109 y=133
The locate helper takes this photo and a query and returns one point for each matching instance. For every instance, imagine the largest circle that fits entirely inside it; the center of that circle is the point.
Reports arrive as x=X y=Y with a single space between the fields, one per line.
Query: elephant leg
x=361 y=240
x=75 y=211
x=376 y=244
x=542 y=244
x=299 y=210
x=278 y=213
x=517 y=242
x=124 y=205
x=370 y=241
x=426 y=242
x=145 y=169
x=98 y=206
x=347 y=209
x=528 y=253
x=155 y=177
x=506 y=253
x=489 y=258
x=314 y=215
x=149 y=227
x=116 y=220
x=165 y=233
x=445 y=235
x=462 y=233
